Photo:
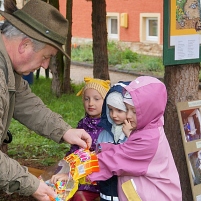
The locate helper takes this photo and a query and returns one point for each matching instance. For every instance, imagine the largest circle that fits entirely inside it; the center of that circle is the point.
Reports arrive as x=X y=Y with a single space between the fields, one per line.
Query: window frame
x=108 y=23
x=144 y=27
x=148 y=37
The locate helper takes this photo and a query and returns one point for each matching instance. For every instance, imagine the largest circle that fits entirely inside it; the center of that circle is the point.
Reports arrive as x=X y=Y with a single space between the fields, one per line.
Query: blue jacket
x=106 y=122
x=109 y=187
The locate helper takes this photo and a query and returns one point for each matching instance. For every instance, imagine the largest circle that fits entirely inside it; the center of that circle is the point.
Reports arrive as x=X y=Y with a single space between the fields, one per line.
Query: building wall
x=134 y=34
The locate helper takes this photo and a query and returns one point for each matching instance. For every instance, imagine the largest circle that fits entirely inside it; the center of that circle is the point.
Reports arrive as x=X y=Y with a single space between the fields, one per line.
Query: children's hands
x=59 y=177
x=127 y=128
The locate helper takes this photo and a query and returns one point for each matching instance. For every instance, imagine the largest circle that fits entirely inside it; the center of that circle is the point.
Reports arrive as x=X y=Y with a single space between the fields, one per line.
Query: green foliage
x=116 y=54
x=129 y=56
x=82 y=53
x=27 y=144
x=120 y=55
x=123 y=58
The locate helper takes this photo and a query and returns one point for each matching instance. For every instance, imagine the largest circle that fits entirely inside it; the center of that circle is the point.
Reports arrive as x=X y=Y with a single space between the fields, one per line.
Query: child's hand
x=59 y=177
x=127 y=128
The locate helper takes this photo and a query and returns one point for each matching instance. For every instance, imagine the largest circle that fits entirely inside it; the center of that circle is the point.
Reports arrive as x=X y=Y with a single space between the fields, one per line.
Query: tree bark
x=56 y=76
x=66 y=79
x=182 y=82
x=99 y=33
x=57 y=64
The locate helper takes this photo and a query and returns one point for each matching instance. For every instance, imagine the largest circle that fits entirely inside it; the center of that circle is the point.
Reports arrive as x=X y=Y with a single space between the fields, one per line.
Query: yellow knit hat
x=102 y=86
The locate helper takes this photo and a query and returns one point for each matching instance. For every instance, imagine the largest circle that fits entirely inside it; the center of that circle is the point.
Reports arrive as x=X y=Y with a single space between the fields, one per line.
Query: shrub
x=129 y=56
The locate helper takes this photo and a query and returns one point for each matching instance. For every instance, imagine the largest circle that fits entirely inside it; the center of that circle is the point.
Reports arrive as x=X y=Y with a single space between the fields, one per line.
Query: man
x=29 y=38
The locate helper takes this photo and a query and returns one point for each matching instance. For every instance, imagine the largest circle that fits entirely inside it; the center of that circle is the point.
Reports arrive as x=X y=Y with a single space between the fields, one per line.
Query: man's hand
x=44 y=192
x=79 y=137
x=127 y=128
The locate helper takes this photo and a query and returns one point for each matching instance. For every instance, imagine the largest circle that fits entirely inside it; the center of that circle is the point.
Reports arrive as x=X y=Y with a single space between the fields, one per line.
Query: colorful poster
x=182 y=37
x=185 y=17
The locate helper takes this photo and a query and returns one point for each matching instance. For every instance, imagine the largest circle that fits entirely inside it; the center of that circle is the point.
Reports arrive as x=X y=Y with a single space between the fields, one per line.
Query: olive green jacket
x=18 y=102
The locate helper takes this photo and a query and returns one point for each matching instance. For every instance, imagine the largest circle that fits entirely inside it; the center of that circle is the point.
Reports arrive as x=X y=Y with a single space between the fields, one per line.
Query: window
x=113 y=26
x=149 y=27
x=1 y=5
x=152 y=29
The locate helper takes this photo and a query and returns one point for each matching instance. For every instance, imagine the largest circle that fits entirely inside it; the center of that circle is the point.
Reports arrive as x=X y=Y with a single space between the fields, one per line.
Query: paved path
x=77 y=74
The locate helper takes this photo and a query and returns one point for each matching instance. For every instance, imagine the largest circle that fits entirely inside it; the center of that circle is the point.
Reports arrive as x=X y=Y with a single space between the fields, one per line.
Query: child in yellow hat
x=93 y=94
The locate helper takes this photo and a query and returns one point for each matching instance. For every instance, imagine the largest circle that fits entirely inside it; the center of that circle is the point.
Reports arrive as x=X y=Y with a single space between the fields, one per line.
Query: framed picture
x=195 y=166
x=191 y=120
x=182 y=28
x=189 y=114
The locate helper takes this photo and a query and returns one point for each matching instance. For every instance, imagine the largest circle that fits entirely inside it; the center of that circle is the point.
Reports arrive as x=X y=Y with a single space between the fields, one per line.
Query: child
x=113 y=116
x=93 y=94
x=113 y=119
x=146 y=156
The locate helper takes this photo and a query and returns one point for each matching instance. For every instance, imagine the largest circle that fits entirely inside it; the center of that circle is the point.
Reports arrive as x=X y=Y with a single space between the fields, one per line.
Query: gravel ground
x=77 y=74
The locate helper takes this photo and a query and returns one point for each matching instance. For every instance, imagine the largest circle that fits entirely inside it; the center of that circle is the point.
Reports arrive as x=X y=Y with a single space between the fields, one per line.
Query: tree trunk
x=182 y=82
x=56 y=76
x=99 y=33
x=60 y=70
x=66 y=81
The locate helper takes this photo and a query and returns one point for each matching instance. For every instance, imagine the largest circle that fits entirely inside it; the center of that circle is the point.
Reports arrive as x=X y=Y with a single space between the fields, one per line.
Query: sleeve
x=13 y=176
x=104 y=136
x=33 y=113
x=131 y=158
x=16 y=178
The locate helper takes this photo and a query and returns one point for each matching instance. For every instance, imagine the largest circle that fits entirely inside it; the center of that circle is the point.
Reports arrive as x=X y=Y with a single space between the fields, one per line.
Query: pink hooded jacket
x=146 y=156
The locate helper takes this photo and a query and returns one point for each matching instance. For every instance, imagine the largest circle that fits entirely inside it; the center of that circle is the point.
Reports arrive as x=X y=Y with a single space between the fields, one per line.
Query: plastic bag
x=77 y=166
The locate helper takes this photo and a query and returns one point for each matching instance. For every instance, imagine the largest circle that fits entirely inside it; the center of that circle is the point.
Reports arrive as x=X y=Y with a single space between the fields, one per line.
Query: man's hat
x=40 y=21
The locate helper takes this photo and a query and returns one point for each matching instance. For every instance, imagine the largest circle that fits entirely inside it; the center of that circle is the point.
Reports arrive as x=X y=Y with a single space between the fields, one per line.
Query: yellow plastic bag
x=77 y=166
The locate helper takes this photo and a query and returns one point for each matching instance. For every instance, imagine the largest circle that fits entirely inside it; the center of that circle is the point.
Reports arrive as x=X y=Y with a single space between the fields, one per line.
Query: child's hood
x=149 y=96
x=106 y=121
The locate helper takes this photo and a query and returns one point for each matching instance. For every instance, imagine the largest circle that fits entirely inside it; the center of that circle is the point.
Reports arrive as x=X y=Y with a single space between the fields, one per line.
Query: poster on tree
x=189 y=114
x=182 y=32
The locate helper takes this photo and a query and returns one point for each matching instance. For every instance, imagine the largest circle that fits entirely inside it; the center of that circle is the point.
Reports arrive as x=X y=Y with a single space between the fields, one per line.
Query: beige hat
x=102 y=86
x=40 y=21
x=115 y=99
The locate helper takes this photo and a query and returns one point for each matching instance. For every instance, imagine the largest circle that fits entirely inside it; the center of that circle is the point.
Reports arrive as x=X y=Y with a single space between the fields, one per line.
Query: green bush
x=121 y=57
x=129 y=56
x=82 y=53
x=114 y=53
x=155 y=64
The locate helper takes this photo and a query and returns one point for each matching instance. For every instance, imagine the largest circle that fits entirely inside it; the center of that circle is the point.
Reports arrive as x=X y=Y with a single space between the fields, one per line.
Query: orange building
x=139 y=24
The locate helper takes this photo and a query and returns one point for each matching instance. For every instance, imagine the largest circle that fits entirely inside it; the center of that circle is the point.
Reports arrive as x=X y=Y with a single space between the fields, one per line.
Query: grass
x=123 y=58
x=27 y=144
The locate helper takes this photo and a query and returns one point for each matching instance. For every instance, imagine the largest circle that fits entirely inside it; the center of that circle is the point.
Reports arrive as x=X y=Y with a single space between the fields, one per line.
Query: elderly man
x=29 y=38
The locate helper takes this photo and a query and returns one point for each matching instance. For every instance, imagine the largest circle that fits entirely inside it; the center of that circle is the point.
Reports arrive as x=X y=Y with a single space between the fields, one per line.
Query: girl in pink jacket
x=146 y=156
